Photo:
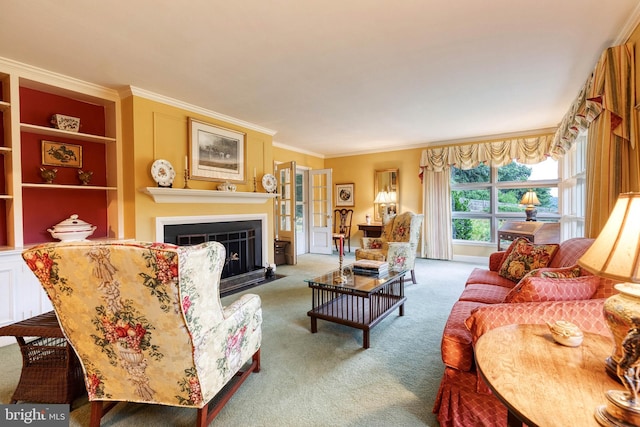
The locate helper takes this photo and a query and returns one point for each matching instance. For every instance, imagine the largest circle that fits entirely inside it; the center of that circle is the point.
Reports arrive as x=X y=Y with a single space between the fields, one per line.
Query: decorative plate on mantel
x=163 y=173
x=269 y=183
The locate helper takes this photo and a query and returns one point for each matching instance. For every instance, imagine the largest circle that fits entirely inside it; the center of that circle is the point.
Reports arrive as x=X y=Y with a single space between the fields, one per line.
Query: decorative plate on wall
x=269 y=183
x=163 y=173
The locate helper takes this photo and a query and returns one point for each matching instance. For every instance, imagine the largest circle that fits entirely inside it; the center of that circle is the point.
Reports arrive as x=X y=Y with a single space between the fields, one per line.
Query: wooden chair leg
x=99 y=410
x=413 y=276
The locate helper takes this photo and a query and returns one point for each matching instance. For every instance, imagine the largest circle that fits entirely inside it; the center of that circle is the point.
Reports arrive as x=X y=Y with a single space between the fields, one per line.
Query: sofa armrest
x=495 y=260
x=586 y=314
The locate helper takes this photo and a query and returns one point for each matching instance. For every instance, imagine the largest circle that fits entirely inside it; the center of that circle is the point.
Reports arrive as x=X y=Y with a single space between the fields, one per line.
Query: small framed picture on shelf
x=216 y=153
x=61 y=154
x=345 y=195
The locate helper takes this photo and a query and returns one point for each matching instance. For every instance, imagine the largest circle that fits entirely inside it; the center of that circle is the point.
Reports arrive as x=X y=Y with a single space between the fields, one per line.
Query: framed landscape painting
x=345 y=195
x=216 y=153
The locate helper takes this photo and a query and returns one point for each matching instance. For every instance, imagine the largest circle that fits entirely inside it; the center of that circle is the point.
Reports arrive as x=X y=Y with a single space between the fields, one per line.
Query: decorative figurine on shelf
x=48 y=174
x=84 y=177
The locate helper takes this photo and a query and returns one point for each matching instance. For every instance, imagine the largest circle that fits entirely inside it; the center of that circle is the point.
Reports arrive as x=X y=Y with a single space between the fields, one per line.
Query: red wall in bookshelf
x=45 y=207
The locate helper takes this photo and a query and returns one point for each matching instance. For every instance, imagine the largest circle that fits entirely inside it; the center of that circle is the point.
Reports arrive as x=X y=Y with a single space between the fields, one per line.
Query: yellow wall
x=153 y=130
x=360 y=170
x=282 y=155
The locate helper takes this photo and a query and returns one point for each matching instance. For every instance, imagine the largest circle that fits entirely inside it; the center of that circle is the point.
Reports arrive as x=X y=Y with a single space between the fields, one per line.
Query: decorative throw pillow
x=524 y=257
x=538 y=289
x=561 y=273
x=556 y=273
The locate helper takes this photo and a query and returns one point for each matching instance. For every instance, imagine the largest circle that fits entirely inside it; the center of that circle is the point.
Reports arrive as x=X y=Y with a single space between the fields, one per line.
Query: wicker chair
x=397 y=245
x=147 y=324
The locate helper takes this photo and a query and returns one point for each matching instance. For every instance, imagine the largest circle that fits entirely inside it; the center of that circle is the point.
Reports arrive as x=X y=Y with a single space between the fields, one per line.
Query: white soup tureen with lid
x=72 y=229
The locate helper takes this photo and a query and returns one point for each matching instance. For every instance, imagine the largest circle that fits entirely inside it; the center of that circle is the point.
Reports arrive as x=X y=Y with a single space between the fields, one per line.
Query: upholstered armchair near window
x=147 y=324
x=397 y=244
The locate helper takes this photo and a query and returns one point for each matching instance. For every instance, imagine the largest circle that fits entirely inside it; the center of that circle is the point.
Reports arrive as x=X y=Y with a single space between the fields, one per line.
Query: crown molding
x=297 y=149
x=143 y=93
x=628 y=27
x=39 y=76
x=475 y=139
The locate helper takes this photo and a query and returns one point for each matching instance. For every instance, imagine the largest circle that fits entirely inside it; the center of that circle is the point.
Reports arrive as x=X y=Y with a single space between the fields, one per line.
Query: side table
x=543 y=383
x=51 y=371
x=371 y=230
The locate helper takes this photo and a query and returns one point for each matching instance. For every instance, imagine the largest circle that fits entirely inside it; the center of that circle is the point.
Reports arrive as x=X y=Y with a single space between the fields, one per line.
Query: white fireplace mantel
x=187 y=195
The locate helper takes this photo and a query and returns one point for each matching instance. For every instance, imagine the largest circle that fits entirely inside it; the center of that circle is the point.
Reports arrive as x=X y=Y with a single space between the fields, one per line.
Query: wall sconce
x=615 y=254
x=530 y=199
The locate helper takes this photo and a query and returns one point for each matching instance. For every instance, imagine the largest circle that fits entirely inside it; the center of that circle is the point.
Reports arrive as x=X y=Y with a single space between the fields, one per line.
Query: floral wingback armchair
x=397 y=244
x=146 y=321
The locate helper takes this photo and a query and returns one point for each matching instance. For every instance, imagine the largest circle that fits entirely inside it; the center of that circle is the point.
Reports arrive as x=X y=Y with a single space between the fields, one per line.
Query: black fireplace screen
x=241 y=239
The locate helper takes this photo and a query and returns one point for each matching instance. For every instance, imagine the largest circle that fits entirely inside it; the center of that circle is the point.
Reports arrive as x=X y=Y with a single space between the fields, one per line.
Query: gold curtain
x=613 y=158
x=528 y=150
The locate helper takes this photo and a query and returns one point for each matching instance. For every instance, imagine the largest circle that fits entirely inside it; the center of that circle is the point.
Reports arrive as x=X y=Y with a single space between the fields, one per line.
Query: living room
x=147 y=124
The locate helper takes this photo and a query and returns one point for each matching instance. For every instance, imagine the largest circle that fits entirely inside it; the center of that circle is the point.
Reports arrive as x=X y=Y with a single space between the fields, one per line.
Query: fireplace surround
x=243 y=235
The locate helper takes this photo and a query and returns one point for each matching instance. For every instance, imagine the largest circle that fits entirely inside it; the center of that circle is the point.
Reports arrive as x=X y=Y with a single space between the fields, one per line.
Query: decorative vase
x=622 y=314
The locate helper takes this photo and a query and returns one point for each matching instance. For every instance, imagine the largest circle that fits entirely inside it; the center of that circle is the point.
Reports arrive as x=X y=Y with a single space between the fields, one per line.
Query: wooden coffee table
x=543 y=383
x=362 y=302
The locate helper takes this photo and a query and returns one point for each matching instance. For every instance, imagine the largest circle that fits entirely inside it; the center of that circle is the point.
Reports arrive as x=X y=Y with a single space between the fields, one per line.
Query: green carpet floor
x=322 y=379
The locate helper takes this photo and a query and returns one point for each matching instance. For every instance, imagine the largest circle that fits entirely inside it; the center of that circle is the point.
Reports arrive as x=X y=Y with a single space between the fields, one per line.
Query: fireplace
x=243 y=236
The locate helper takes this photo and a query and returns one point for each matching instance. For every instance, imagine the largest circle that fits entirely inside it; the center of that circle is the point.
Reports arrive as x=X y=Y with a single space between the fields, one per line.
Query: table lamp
x=530 y=199
x=615 y=254
x=382 y=198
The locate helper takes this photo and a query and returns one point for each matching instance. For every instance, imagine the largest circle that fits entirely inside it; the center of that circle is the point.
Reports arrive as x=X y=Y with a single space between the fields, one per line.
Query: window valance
x=527 y=150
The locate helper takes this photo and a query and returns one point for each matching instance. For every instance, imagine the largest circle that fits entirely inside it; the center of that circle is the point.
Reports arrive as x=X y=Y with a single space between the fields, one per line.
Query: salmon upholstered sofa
x=561 y=290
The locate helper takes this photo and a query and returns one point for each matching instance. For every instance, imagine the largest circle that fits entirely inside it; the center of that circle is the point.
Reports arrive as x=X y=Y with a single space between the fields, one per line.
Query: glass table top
x=361 y=282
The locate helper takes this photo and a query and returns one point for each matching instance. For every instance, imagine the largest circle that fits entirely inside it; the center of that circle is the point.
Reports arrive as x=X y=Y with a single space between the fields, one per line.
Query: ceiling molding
x=630 y=25
x=475 y=139
x=143 y=93
x=37 y=77
x=297 y=150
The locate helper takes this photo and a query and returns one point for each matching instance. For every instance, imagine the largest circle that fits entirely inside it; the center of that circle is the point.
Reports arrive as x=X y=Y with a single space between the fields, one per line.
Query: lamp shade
x=615 y=254
x=382 y=197
x=530 y=198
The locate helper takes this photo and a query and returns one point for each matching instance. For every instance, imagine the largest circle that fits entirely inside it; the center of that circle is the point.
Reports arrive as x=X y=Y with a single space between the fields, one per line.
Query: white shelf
x=24 y=127
x=4 y=150
x=4 y=106
x=65 y=186
x=5 y=196
x=182 y=195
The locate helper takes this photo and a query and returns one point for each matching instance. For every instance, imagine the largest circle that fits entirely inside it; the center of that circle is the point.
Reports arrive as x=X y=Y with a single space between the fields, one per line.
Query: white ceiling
x=334 y=77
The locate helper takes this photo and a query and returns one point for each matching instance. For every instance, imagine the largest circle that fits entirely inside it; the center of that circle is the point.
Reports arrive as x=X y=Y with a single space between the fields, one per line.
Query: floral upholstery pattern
x=397 y=244
x=524 y=256
x=146 y=319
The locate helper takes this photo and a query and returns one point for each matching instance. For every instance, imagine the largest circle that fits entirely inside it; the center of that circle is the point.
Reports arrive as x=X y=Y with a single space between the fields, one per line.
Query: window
x=484 y=197
x=573 y=188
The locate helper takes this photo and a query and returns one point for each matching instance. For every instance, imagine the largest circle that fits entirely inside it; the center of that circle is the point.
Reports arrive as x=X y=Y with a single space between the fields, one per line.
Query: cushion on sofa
x=586 y=314
x=570 y=252
x=488 y=294
x=487 y=277
x=456 y=339
x=524 y=257
x=536 y=289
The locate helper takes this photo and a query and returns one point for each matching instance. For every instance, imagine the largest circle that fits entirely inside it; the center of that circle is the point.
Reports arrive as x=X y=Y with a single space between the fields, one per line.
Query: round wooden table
x=543 y=383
